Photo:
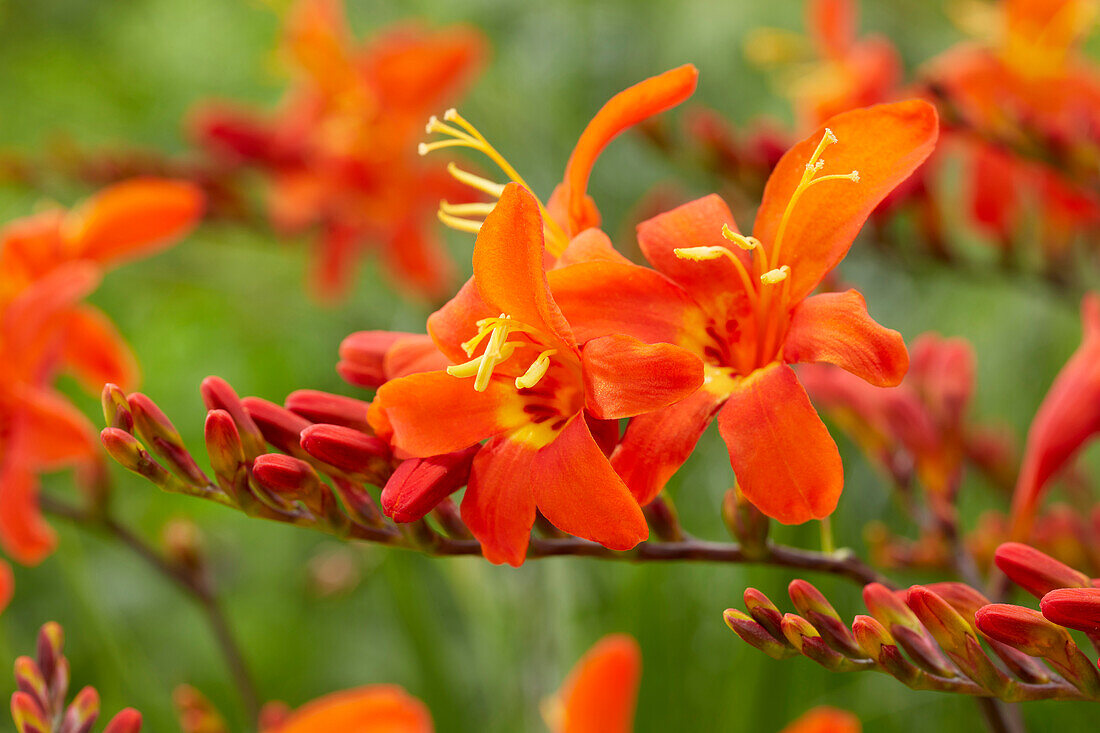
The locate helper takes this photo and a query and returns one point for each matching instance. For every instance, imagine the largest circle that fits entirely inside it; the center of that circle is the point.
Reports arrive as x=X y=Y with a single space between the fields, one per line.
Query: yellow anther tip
x=854 y=175
x=698 y=253
x=422 y=149
x=451 y=114
x=430 y=127
x=775 y=276
x=830 y=136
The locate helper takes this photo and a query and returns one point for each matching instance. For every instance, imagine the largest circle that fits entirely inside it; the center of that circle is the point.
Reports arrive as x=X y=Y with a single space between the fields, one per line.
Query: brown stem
x=1001 y=717
x=193 y=583
x=842 y=563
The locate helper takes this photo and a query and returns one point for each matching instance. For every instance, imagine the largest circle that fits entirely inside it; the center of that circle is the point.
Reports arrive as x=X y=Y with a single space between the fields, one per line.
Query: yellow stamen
x=478 y=209
x=813 y=167
x=700 y=254
x=461 y=134
x=536 y=371
x=775 y=276
x=746 y=243
x=463 y=225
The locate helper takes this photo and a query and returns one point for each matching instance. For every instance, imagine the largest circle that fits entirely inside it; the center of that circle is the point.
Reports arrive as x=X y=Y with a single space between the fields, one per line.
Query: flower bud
x=29 y=679
x=748 y=525
x=116 y=409
x=223 y=444
x=764 y=611
x=663 y=521
x=82 y=712
x=128 y=452
x=218 y=395
x=280 y=427
x=419 y=484
x=1023 y=628
x=128 y=720
x=29 y=717
x=183 y=543
x=756 y=635
x=1036 y=572
x=286 y=475
x=955 y=635
x=816 y=608
x=161 y=435
x=348 y=450
x=324 y=407
x=1075 y=608
x=363 y=357
x=802 y=635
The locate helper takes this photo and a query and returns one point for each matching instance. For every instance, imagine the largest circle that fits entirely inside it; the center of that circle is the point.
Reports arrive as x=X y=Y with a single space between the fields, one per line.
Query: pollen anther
x=777 y=275
x=536 y=371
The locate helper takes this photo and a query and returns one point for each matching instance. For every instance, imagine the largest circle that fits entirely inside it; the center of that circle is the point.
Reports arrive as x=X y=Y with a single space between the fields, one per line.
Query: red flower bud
x=1036 y=572
x=1023 y=628
x=82 y=712
x=1076 y=608
x=323 y=407
x=28 y=715
x=419 y=484
x=162 y=436
x=280 y=427
x=286 y=475
x=348 y=450
x=753 y=634
x=128 y=720
x=116 y=409
x=218 y=395
x=363 y=357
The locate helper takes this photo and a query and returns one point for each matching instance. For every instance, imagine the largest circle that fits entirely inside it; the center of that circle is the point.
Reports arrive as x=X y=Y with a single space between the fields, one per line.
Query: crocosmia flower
x=601 y=692
x=743 y=304
x=521 y=379
x=48 y=263
x=340 y=153
x=1068 y=416
x=370 y=709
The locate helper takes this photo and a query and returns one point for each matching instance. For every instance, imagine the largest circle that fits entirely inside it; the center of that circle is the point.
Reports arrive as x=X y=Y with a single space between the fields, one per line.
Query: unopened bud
x=82 y=712
x=223 y=444
x=346 y=449
x=816 y=608
x=871 y=636
x=764 y=611
x=162 y=436
x=116 y=409
x=29 y=679
x=218 y=395
x=280 y=427
x=948 y=628
x=660 y=515
x=324 y=407
x=748 y=525
x=1023 y=628
x=904 y=626
x=1036 y=572
x=183 y=543
x=755 y=635
x=128 y=452
x=419 y=484
x=128 y=720
x=363 y=357
x=1075 y=608
x=28 y=716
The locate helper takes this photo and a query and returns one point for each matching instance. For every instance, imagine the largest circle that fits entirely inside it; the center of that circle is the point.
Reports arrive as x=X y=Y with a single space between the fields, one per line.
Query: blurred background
x=481 y=645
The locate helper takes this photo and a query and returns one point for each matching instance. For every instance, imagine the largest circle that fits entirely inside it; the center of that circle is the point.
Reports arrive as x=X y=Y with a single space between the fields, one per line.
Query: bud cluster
x=38 y=705
x=947 y=636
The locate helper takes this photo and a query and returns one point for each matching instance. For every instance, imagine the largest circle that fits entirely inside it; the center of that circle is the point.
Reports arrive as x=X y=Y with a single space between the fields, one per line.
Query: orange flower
x=601 y=692
x=825 y=719
x=48 y=263
x=1068 y=416
x=533 y=384
x=369 y=709
x=341 y=153
x=569 y=210
x=742 y=305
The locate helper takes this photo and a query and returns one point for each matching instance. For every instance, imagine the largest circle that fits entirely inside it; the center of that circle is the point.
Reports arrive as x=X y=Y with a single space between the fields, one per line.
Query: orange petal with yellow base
x=785 y=461
x=836 y=328
x=134 y=218
x=499 y=504
x=884 y=143
x=601 y=693
x=579 y=492
x=434 y=413
x=370 y=709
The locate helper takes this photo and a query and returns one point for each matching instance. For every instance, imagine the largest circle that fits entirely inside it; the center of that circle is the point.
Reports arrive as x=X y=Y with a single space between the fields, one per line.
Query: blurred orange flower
x=369 y=709
x=340 y=153
x=48 y=263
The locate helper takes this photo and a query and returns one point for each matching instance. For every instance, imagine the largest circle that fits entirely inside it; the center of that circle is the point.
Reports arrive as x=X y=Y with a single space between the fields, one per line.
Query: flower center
x=470 y=217
x=769 y=303
x=498 y=350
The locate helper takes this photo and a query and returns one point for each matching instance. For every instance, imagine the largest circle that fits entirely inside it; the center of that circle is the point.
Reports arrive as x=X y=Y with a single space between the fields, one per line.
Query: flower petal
x=456 y=321
x=591 y=244
x=824 y=719
x=370 y=709
x=134 y=218
x=604 y=298
x=656 y=445
x=508 y=265
x=23 y=533
x=832 y=25
x=624 y=377
x=434 y=413
x=786 y=462
x=579 y=492
x=363 y=357
x=627 y=108
x=54 y=434
x=695 y=224
x=419 y=484
x=835 y=327
x=418 y=259
x=95 y=351
x=885 y=143
x=499 y=504
x=601 y=692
